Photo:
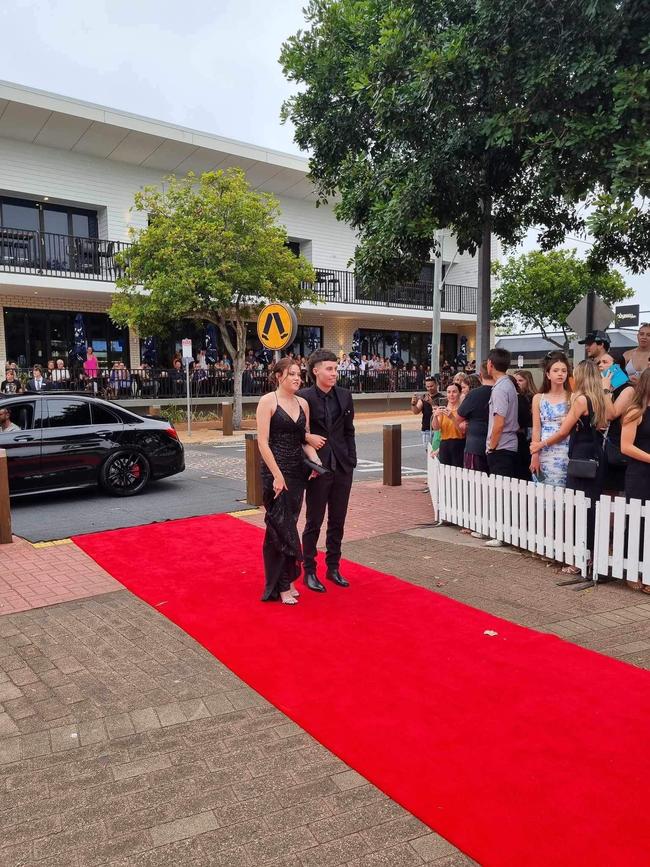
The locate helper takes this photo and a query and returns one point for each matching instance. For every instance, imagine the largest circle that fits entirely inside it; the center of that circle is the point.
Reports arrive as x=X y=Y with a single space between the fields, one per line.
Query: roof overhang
x=51 y=120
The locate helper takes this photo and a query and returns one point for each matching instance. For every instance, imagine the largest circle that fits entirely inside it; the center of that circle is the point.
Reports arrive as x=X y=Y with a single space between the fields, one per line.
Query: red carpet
x=521 y=749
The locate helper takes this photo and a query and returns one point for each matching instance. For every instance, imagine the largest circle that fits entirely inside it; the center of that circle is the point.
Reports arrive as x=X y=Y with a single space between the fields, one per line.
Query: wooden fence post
x=392 y=454
x=5 y=511
x=226 y=418
x=253 y=471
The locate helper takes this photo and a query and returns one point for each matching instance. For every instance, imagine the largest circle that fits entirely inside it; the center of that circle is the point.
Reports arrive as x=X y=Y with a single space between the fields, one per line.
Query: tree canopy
x=428 y=114
x=213 y=251
x=538 y=290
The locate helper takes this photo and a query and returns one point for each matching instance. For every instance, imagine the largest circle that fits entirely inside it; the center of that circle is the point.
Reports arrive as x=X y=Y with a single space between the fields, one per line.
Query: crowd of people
x=587 y=429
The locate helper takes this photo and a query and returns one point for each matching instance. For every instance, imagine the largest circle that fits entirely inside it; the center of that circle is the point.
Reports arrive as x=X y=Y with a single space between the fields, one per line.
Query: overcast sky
x=208 y=64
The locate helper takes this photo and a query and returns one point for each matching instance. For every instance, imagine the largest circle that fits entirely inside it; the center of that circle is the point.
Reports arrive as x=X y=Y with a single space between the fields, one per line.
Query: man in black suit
x=331 y=422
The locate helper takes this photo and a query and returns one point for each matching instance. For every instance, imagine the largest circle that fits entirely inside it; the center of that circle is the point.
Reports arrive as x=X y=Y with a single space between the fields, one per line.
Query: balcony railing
x=342 y=287
x=27 y=252
x=154 y=383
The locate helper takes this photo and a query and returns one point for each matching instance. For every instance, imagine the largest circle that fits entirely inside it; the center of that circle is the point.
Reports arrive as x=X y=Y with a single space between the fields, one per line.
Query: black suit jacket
x=340 y=436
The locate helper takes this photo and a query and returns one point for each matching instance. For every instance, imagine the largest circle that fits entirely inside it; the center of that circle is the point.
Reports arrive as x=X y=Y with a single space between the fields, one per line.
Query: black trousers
x=331 y=492
x=503 y=462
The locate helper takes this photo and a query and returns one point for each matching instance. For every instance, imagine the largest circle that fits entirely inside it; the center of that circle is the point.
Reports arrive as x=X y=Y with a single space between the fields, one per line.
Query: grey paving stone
x=189 y=826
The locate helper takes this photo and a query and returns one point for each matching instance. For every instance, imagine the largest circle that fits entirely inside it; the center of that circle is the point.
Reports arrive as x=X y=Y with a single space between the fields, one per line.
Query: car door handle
x=25 y=438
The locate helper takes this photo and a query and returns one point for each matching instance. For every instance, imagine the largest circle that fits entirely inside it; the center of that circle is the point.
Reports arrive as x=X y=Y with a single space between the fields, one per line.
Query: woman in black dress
x=635 y=445
x=282 y=422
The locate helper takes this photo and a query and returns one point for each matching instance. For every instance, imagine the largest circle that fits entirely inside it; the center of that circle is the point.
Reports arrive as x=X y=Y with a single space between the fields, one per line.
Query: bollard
x=393 y=454
x=226 y=419
x=253 y=471
x=5 y=511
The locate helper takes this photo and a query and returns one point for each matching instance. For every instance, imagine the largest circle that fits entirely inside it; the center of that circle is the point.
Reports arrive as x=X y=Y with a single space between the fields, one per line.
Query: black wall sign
x=627 y=316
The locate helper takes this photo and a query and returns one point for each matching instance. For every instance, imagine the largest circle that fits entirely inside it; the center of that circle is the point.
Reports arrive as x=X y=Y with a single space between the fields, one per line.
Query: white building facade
x=68 y=174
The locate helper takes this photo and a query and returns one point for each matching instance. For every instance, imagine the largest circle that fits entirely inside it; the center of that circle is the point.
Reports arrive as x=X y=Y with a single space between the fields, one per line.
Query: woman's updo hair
x=279 y=370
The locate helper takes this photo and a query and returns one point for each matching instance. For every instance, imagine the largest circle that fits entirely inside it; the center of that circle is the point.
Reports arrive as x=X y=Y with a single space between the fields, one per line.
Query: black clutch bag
x=583 y=468
x=313 y=467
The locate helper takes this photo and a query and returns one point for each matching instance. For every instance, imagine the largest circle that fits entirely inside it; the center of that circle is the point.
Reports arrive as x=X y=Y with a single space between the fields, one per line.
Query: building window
x=35 y=336
x=33 y=216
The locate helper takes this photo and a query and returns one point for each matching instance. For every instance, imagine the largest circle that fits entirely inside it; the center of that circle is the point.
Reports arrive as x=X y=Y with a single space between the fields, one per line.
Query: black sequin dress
x=282 y=550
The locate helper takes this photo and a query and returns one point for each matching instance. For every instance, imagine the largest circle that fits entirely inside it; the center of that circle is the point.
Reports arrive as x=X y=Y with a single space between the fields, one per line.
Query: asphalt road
x=214 y=481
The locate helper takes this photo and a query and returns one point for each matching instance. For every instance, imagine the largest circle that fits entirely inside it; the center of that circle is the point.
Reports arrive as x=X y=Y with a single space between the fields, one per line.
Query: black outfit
x=525 y=419
x=637 y=473
x=615 y=478
x=8 y=387
x=451 y=452
x=331 y=415
x=281 y=550
x=475 y=410
x=587 y=442
x=503 y=462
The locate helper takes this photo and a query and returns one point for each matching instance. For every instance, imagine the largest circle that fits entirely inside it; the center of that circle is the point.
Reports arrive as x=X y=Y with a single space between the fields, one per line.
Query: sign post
x=187 y=359
x=591 y=313
x=277 y=326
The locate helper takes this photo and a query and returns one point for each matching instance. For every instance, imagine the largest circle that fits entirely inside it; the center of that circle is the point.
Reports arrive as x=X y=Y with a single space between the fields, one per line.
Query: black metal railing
x=342 y=287
x=26 y=251
x=156 y=383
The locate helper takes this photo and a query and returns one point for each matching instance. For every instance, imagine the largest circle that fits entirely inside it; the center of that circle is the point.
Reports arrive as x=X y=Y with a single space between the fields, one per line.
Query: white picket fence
x=622 y=540
x=542 y=519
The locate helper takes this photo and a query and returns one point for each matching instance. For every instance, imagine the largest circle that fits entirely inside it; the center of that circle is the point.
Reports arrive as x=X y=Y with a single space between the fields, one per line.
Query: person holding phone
x=452 y=428
x=424 y=404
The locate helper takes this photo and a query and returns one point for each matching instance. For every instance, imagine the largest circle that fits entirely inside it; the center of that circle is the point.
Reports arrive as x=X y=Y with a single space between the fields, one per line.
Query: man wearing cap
x=596 y=344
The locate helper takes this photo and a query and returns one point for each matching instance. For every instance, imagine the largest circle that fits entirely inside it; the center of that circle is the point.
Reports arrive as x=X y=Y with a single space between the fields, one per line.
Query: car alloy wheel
x=125 y=473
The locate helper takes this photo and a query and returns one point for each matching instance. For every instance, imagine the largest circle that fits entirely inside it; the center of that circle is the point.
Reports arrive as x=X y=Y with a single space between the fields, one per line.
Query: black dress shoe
x=335 y=576
x=311 y=580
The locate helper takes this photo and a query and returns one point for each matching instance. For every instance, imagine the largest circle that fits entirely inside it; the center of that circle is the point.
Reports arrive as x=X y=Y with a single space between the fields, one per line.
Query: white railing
x=622 y=540
x=545 y=520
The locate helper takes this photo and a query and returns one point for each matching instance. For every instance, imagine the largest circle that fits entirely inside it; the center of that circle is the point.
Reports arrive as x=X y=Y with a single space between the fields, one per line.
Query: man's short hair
x=431 y=379
x=316 y=357
x=500 y=358
x=37 y=367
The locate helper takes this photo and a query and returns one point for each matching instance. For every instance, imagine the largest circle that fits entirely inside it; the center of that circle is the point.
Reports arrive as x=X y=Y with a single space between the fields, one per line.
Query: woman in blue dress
x=550 y=408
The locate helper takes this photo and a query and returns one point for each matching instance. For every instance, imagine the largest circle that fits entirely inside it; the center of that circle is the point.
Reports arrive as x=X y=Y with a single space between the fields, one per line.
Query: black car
x=63 y=441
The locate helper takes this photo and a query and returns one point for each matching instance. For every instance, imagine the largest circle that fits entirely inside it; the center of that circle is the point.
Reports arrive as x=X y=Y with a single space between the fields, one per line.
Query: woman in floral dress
x=550 y=408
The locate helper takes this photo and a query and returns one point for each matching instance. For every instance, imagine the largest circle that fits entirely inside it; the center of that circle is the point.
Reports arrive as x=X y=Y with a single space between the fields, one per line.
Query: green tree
x=472 y=115
x=212 y=251
x=538 y=290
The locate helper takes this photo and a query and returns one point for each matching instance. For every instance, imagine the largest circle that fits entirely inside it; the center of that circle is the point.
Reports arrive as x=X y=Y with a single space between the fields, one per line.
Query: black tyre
x=125 y=473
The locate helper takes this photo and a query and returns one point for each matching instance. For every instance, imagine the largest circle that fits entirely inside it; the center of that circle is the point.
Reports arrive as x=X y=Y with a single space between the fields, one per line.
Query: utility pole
x=484 y=299
x=436 y=307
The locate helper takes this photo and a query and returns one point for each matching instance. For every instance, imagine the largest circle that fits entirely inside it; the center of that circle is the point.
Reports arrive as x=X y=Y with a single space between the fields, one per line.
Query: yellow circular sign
x=277 y=326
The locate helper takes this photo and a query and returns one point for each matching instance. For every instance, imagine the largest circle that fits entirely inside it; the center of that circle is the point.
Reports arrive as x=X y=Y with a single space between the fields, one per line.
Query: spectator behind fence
x=10 y=384
x=470 y=382
x=452 y=429
x=638 y=359
x=37 y=382
x=591 y=409
x=424 y=404
x=549 y=410
x=525 y=419
x=635 y=441
x=503 y=422
x=91 y=365
x=622 y=394
x=475 y=411
x=635 y=445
